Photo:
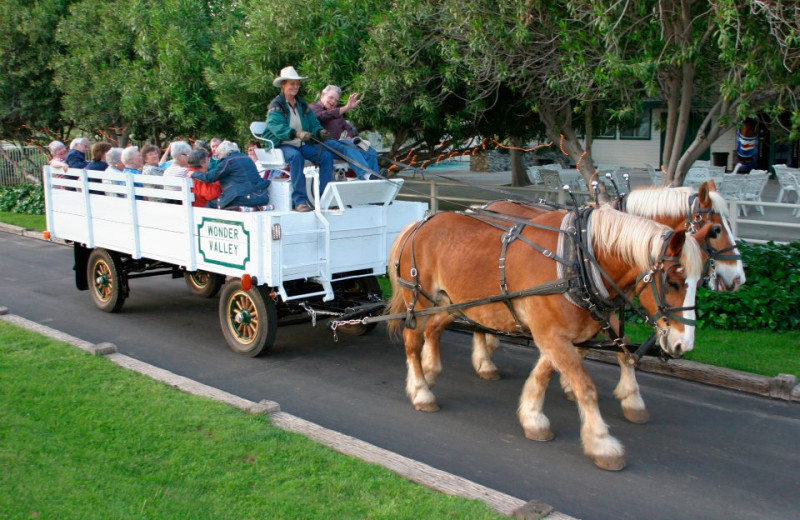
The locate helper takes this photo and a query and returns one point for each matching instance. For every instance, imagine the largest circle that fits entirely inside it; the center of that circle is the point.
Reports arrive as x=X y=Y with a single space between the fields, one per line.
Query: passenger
x=212 y=146
x=114 y=160
x=132 y=159
x=99 y=151
x=58 y=154
x=201 y=144
x=76 y=158
x=203 y=191
x=344 y=139
x=150 y=159
x=179 y=150
x=252 y=146
x=292 y=123
x=238 y=177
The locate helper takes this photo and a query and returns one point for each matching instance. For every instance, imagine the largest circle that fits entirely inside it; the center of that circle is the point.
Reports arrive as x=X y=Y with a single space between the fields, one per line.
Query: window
x=639 y=129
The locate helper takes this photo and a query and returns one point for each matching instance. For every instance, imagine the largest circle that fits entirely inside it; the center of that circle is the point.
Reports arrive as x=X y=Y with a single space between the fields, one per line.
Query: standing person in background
x=99 y=151
x=150 y=157
x=360 y=155
x=203 y=191
x=76 y=158
x=292 y=123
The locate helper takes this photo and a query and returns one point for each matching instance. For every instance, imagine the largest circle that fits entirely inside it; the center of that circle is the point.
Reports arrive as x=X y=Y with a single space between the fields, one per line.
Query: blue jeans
x=357 y=158
x=296 y=157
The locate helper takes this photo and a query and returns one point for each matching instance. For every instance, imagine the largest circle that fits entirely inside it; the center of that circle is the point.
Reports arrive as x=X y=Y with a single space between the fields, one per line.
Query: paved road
x=707 y=453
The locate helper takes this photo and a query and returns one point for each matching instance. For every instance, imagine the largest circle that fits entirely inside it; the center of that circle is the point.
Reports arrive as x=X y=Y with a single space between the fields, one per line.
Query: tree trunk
x=519 y=177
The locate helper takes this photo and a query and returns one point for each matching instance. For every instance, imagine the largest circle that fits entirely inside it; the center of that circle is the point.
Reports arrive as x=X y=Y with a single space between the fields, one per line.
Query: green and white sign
x=223 y=242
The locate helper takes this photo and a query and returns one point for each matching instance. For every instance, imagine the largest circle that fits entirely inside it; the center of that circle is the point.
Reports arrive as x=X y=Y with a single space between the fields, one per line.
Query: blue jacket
x=76 y=159
x=238 y=177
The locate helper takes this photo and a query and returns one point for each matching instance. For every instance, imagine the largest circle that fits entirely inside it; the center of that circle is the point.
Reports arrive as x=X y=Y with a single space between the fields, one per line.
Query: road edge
x=405 y=467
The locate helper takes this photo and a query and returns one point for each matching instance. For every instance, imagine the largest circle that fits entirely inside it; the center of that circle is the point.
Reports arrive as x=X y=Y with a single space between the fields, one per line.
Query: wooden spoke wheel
x=248 y=319
x=104 y=275
x=362 y=289
x=203 y=283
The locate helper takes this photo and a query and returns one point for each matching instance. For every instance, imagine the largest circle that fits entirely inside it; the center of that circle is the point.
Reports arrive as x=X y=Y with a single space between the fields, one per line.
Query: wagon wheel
x=104 y=274
x=362 y=289
x=248 y=319
x=203 y=283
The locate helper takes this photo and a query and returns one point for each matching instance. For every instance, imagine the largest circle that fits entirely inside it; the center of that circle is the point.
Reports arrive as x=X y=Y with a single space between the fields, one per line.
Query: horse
x=448 y=270
x=678 y=208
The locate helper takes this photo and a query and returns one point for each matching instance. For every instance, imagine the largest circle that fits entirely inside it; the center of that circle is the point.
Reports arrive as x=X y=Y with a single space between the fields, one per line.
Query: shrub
x=769 y=298
x=25 y=198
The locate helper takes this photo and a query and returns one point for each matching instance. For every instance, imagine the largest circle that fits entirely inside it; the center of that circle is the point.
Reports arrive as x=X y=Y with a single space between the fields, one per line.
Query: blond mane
x=668 y=202
x=638 y=241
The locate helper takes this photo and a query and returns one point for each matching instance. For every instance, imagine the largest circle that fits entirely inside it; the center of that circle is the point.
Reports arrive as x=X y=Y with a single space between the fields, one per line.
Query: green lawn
x=35 y=222
x=83 y=438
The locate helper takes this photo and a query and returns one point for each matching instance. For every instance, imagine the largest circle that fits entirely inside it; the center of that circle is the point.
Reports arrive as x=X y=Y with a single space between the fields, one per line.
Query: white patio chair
x=731 y=189
x=655 y=175
x=696 y=176
x=701 y=164
x=753 y=186
x=533 y=174
x=716 y=173
x=551 y=180
x=788 y=181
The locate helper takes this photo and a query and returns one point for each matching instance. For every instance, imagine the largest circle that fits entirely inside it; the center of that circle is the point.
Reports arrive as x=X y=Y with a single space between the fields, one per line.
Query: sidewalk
x=753 y=227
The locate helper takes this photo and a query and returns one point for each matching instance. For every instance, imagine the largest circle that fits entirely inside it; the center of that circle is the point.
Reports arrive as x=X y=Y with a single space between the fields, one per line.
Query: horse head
x=668 y=291
x=723 y=267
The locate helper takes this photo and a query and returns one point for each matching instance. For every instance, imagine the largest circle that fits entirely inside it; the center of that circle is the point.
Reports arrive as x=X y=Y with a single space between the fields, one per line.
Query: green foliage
x=768 y=300
x=25 y=199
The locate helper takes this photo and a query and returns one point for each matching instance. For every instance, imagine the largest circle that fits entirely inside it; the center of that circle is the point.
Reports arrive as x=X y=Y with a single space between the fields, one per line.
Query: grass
x=767 y=353
x=35 y=222
x=83 y=438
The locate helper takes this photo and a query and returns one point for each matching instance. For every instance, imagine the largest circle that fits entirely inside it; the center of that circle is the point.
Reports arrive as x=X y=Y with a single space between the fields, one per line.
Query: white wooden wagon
x=273 y=267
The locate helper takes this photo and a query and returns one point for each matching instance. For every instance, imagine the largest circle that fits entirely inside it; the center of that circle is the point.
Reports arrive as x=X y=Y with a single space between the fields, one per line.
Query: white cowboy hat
x=287 y=73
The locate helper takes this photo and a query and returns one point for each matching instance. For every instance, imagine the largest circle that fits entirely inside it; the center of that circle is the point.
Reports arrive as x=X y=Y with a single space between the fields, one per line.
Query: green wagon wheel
x=203 y=283
x=248 y=319
x=104 y=274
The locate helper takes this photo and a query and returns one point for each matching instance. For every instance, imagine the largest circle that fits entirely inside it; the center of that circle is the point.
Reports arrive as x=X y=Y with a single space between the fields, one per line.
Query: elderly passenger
x=150 y=158
x=360 y=156
x=179 y=150
x=114 y=160
x=291 y=123
x=203 y=191
x=76 y=158
x=132 y=159
x=58 y=154
x=238 y=177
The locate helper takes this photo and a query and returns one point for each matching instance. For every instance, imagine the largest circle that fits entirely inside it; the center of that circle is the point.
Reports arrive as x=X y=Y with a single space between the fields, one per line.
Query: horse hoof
x=610 y=463
x=427 y=407
x=540 y=435
x=489 y=375
x=636 y=416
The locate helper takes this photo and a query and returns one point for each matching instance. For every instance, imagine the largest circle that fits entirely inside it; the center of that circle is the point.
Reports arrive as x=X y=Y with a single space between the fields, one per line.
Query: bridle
x=697 y=218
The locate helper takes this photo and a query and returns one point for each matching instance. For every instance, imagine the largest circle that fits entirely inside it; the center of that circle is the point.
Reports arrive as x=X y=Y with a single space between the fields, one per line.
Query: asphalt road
x=707 y=453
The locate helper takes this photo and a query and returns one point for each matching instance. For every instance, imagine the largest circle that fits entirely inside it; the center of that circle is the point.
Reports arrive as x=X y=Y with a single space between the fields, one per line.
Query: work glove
x=303 y=135
x=324 y=135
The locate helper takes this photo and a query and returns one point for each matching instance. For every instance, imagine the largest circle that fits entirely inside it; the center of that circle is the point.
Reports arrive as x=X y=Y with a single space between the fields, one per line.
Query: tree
x=727 y=58
x=29 y=100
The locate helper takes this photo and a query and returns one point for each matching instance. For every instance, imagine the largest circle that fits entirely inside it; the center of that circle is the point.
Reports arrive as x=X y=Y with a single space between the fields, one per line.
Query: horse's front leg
x=483 y=345
x=431 y=353
x=417 y=388
x=534 y=422
x=569 y=395
x=598 y=444
x=627 y=391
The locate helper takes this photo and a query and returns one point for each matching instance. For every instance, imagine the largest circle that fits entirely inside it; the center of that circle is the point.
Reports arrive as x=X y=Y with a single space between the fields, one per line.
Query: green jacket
x=278 y=128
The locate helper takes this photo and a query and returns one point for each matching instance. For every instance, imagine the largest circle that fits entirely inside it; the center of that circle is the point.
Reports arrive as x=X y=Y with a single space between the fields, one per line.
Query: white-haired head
x=55 y=147
x=225 y=148
x=78 y=141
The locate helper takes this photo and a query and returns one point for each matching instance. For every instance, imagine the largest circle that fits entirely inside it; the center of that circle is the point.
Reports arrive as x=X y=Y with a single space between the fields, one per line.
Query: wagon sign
x=223 y=242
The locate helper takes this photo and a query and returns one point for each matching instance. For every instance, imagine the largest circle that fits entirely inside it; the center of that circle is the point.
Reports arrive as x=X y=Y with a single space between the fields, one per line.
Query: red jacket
x=204 y=191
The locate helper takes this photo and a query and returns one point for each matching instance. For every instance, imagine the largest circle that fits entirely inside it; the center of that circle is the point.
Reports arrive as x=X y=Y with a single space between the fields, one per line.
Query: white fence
x=21 y=165
x=779 y=223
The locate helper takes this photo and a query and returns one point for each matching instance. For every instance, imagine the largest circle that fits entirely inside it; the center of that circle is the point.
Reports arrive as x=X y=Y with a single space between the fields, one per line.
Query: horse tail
x=397 y=303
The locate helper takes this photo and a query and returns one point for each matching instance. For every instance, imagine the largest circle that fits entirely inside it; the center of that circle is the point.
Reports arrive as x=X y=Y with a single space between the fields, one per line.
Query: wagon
x=270 y=268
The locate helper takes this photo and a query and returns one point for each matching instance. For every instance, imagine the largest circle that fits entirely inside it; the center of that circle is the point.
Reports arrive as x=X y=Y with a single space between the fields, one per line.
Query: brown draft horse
x=454 y=258
x=678 y=208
